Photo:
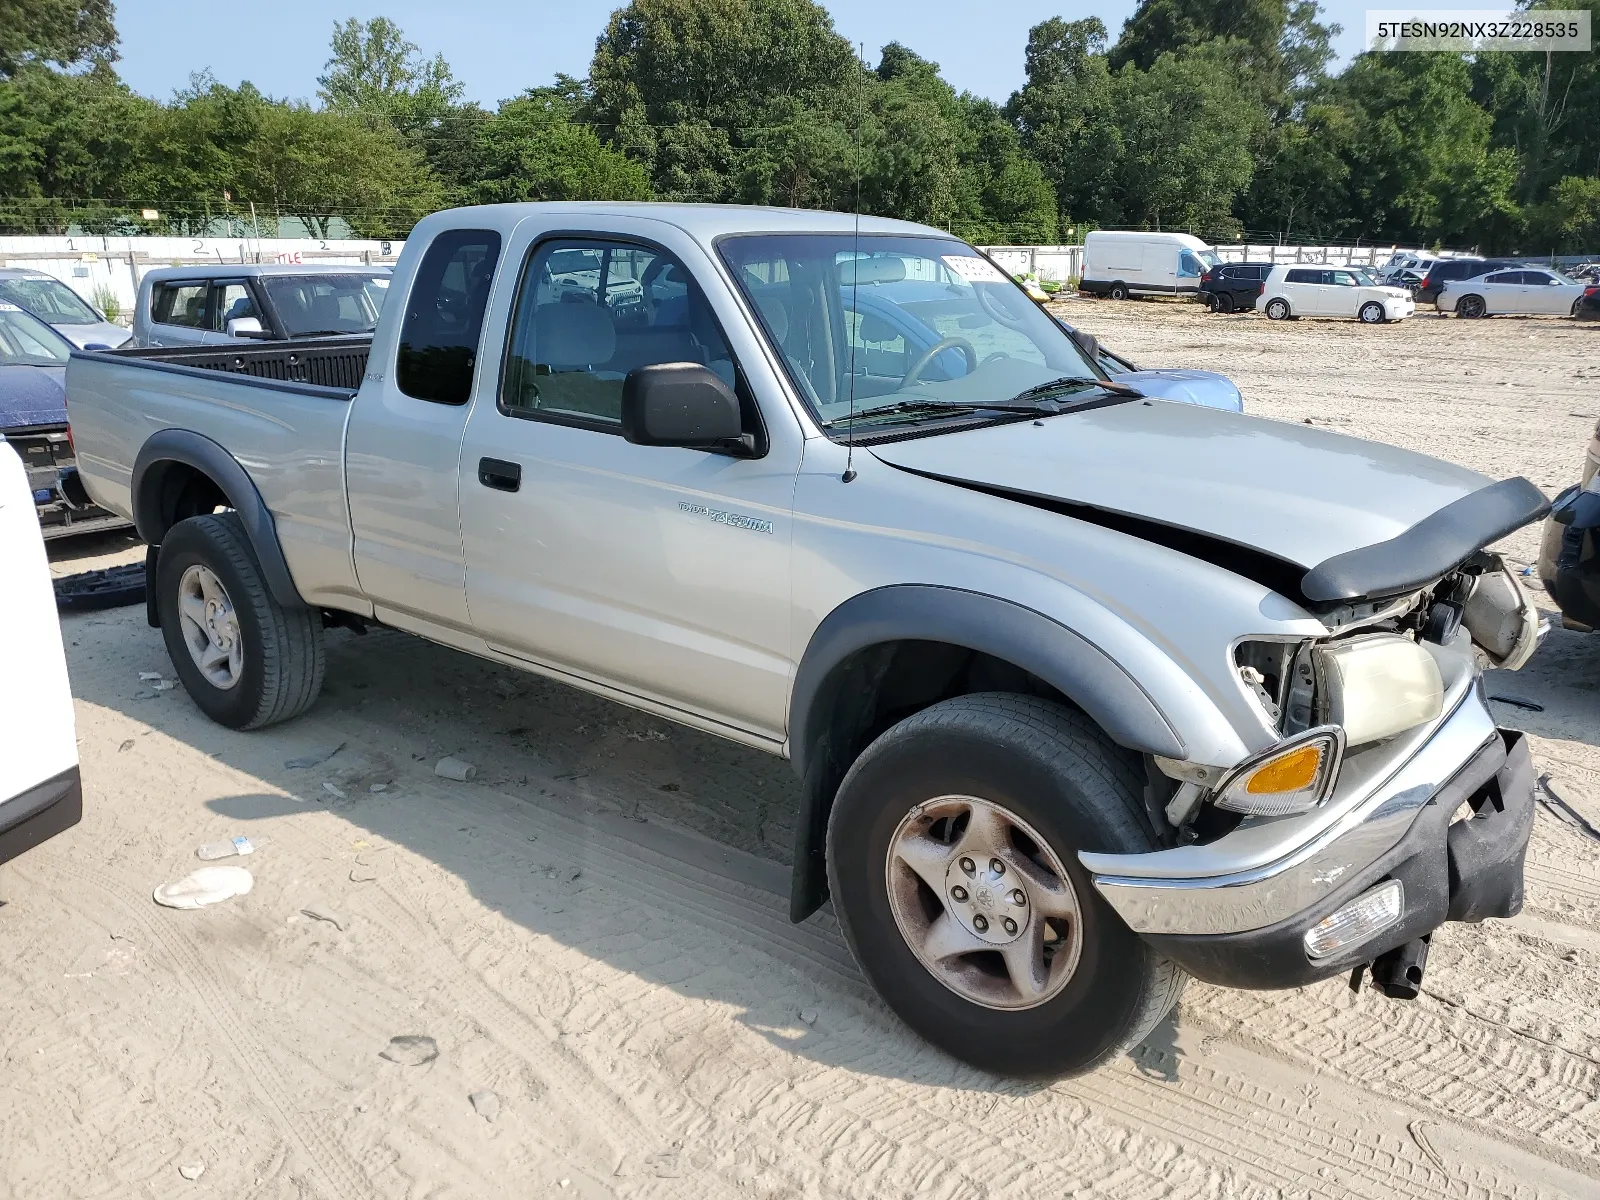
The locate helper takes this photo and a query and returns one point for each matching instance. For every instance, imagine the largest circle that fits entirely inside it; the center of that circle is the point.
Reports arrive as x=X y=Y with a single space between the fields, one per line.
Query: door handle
x=500 y=475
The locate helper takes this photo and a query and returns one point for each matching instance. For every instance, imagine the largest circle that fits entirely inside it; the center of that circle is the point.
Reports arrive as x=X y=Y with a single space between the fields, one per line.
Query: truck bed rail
x=332 y=363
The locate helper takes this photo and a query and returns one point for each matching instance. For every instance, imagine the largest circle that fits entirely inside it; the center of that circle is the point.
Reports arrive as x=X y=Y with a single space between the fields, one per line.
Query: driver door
x=660 y=572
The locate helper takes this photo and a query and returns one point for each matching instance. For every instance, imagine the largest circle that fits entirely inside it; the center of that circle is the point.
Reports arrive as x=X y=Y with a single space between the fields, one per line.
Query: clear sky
x=498 y=47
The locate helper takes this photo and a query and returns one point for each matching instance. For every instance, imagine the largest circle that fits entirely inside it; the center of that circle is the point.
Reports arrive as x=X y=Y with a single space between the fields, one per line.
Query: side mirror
x=680 y=404
x=249 y=327
x=95 y=346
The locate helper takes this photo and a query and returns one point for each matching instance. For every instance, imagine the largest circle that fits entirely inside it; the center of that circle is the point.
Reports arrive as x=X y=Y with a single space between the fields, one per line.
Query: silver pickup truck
x=1088 y=692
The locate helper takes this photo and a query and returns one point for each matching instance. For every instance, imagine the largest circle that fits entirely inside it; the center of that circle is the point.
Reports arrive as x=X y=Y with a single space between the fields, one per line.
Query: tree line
x=1221 y=117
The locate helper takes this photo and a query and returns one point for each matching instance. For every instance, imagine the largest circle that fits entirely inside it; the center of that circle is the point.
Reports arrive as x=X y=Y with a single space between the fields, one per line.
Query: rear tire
x=1471 y=307
x=1026 y=783
x=244 y=659
x=1119 y=291
x=1277 y=309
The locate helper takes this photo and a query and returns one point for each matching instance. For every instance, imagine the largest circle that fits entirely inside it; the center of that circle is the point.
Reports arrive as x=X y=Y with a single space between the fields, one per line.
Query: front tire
x=1278 y=309
x=1372 y=313
x=953 y=864
x=244 y=659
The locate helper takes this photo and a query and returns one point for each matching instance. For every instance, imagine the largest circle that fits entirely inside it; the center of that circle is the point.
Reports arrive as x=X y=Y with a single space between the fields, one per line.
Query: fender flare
x=212 y=460
x=1068 y=662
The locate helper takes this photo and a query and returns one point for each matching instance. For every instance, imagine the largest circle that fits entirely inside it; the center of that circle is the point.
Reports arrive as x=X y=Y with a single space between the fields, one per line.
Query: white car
x=1347 y=292
x=1525 y=292
x=40 y=793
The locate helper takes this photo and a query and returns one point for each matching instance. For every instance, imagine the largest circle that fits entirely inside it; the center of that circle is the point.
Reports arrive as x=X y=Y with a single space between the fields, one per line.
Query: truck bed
x=331 y=363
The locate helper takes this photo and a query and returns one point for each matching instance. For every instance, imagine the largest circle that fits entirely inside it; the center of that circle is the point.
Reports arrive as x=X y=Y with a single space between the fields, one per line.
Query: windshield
x=49 y=300
x=28 y=341
x=1209 y=257
x=311 y=305
x=896 y=321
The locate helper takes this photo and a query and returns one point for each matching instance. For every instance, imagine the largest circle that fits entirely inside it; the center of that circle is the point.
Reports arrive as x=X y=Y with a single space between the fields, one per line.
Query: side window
x=444 y=316
x=588 y=312
x=179 y=304
x=233 y=301
x=1303 y=276
x=1343 y=279
x=1504 y=277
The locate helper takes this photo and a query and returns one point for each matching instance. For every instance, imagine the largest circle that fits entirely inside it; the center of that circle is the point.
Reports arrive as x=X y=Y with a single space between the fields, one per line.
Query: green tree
x=1569 y=221
x=531 y=150
x=65 y=33
x=374 y=71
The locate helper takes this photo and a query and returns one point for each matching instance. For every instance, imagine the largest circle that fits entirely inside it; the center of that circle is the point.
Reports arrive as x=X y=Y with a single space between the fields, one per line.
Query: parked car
x=1525 y=292
x=33 y=422
x=1119 y=264
x=1232 y=287
x=1347 y=292
x=68 y=313
x=1407 y=260
x=1449 y=270
x=1039 y=789
x=1569 y=552
x=1588 y=307
x=41 y=793
x=235 y=303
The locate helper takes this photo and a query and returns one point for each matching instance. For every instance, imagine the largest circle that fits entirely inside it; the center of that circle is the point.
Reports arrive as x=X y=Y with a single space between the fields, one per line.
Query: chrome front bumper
x=1268 y=870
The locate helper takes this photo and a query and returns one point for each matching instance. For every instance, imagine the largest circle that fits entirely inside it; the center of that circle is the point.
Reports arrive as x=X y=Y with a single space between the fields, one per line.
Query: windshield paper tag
x=9 y=308
x=973 y=269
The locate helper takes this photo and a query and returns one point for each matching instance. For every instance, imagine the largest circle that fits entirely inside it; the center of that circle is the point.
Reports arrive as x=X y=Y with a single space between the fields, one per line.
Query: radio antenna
x=855 y=279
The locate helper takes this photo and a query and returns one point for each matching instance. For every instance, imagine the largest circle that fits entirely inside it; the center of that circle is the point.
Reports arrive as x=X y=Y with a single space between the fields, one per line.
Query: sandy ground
x=595 y=929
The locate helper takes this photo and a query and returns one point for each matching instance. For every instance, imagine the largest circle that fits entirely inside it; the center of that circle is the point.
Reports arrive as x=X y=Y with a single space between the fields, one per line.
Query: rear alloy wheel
x=1224 y=303
x=1278 y=309
x=1471 y=307
x=1119 y=291
x=953 y=866
x=1372 y=313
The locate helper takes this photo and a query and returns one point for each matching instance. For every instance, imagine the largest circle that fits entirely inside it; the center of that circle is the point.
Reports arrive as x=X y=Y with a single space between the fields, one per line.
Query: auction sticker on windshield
x=973 y=270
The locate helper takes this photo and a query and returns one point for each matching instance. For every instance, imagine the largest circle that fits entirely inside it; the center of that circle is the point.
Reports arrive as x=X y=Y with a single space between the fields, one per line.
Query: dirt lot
x=595 y=929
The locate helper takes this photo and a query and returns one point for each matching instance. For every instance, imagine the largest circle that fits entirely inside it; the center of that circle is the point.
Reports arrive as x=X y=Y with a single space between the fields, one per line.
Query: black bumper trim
x=41 y=812
x=1461 y=872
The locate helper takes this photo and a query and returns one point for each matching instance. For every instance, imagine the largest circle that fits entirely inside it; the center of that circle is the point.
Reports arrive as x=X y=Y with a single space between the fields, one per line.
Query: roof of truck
x=704 y=221
x=242 y=270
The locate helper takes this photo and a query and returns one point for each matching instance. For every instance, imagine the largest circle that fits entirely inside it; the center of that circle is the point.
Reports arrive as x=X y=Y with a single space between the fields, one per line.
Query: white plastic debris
x=333 y=790
x=192 y=1171
x=164 y=685
x=485 y=1104
x=455 y=768
x=208 y=885
x=149 y=676
x=227 y=849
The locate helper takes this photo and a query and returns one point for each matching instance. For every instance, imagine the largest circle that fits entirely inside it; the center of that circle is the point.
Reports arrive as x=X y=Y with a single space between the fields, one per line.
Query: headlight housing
x=1294 y=776
x=1377 y=686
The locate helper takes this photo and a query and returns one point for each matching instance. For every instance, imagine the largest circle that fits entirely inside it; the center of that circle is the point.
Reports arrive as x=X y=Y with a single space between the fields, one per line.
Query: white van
x=1122 y=264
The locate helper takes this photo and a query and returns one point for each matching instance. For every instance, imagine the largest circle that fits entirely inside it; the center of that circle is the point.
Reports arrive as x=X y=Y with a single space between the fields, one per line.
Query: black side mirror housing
x=682 y=404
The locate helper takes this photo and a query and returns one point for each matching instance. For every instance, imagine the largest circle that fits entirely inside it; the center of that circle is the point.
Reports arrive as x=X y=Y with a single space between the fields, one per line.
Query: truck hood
x=32 y=396
x=1293 y=493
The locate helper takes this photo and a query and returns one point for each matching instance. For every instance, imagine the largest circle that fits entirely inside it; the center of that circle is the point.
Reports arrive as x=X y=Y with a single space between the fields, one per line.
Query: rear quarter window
x=438 y=351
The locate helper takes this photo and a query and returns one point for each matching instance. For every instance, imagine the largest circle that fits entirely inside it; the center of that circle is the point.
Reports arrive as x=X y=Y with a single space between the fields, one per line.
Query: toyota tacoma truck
x=1088 y=692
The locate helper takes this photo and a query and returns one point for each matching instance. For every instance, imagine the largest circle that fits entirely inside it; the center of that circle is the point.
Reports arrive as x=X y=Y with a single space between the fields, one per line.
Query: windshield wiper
x=1042 y=393
x=906 y=406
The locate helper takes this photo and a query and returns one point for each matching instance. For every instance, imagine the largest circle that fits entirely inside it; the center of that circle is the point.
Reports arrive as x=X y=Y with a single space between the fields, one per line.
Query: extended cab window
x=444 y=316
x=180 y=304
x=590 y=311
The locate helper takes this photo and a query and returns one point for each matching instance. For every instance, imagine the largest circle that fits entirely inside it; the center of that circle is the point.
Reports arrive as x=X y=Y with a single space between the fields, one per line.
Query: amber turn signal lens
x=1295 y=770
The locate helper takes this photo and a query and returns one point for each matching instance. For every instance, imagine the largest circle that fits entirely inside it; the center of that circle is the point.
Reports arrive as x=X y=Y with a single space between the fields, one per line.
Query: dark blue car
x=33 y=420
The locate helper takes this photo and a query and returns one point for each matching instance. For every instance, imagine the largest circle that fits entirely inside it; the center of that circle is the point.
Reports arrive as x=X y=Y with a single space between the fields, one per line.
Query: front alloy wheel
x=1372 y=313
x=984 y=902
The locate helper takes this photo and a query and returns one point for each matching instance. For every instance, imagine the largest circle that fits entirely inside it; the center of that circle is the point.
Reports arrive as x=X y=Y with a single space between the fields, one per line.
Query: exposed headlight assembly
x=1292 y=777
x=1375 y=687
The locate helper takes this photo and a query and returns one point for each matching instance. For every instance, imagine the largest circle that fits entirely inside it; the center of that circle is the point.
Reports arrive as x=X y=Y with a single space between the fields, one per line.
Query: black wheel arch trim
x=216 y=463
x=1066 y=660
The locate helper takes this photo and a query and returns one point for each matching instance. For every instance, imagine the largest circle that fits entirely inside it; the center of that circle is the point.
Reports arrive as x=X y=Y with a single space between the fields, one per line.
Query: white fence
x=100 y=266
x=1066 y=262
